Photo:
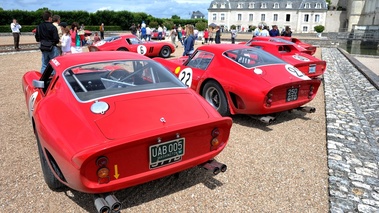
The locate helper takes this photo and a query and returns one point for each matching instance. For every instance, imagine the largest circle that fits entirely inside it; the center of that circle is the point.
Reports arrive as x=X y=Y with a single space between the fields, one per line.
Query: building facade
x=300 y=15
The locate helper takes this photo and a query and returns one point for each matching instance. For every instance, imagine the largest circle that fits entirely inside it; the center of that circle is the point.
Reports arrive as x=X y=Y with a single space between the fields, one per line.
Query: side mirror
x=38 y=84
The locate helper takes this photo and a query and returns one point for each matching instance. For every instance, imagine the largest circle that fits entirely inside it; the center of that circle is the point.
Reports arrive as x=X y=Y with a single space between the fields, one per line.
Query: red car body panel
x=302 y=47
x=74 y=136
x=246 y=89
x=308 y=64
x=129 y=42
x=154 y=34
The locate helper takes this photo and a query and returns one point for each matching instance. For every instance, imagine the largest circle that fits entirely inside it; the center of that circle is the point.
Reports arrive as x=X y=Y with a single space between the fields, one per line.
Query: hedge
x=29 y=28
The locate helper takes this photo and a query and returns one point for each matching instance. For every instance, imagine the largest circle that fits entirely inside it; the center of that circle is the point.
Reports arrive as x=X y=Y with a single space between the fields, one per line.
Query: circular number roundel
x=300 y=58
x=296 y=72
x=141 y=49
x=185 y=76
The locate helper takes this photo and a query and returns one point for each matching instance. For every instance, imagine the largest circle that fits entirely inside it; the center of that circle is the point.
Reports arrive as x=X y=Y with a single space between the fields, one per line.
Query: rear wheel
x=122 y=49
x=165 y=52
x=51 y=181
x=215 y=96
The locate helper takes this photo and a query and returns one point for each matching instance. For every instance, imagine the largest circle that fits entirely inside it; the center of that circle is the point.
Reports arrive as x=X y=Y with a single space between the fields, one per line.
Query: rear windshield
x=252 y=57
x=98 y=80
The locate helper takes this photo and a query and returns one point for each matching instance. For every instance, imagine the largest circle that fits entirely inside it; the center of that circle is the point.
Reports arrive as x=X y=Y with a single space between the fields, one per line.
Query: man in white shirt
x=15 y=27
x=148 y=33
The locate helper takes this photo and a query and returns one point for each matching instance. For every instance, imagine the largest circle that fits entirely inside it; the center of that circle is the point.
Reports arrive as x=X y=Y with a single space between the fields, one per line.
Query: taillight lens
x=310 y=94
x=269 y=99
x=215 y=142
x=103 y=171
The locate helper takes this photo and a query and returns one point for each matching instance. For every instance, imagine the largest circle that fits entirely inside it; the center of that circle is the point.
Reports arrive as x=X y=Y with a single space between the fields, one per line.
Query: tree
x=201 y=25
x=319 y=28
x=175 y=17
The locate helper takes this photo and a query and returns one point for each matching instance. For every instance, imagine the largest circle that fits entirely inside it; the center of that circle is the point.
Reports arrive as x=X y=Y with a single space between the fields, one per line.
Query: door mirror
x=38 y=84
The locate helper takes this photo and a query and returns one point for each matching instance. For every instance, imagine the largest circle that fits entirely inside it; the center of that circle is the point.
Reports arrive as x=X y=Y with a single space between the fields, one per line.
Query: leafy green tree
x=319 y=28
x=175 y=17
x=201 y=25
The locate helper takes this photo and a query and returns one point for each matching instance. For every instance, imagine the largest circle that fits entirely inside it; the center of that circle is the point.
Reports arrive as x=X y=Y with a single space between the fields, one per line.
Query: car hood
x=137 y=115
x=280 y=74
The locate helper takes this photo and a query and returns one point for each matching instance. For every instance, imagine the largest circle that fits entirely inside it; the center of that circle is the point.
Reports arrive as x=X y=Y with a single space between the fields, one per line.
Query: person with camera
x=47 y=36
x=15 y=27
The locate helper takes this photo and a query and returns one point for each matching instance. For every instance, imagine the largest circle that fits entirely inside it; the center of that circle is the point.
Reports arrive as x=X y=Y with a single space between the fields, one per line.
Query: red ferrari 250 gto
x=237 y=79
x=105 y=121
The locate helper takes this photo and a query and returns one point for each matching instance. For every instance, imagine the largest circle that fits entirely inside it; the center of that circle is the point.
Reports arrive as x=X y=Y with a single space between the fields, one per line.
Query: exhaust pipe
x=113 y=203
x=101 y=205
x=307 y=109
x=215 y=167
x=267 y=119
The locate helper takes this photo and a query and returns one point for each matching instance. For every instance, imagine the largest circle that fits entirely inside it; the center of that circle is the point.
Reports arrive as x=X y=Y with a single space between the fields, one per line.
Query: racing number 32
x=185 y=76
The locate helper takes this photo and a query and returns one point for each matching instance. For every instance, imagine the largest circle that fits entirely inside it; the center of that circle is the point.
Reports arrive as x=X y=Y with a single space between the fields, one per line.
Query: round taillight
x=310 y=93
x=103 y=172
x=269 y=95
x=102 y=161
x=311 y=88
x=215 y=142
x=215 y=132
x=269 y=101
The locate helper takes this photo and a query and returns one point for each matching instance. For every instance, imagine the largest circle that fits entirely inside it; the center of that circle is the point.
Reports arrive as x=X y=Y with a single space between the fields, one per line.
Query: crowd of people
x=58 y=38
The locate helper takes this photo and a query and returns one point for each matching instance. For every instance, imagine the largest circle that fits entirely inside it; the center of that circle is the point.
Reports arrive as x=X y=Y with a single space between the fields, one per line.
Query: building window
x=306 y=18
x=288 y=17
x=305 y=29
x=263 y=17
x=222 y=16
x=239 y=17
x=214 y=5
x=317 y=18
x=240 y=5
x=251 y=17
x=252 y=5
x=289 y=4
x=214 y=16
x=276 y=5
x=264 y=5
x=223 y=5
x=307 y=5
x=318 y=6
x=275 y=17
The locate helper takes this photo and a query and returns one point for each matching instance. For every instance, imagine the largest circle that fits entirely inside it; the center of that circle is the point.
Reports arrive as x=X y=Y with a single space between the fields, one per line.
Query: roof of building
x=267 y=4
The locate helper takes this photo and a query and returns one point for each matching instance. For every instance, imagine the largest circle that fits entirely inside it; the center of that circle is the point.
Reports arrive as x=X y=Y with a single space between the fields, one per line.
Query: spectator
x=233 y=34
x=101 y=29
x=180 y=36
x=206 y=36
x=143 y=33
x=15 y=27
x=56 y=20
x=265 y=32
x=211 y=33
x=287 y=32
x=66 y=39
x=47 y=36
x=96 y=38
x=148 y=33
x=133 y=29
x=143 y=25
x=257 y=31
x=196 y=33
x=217 y=35
x=184 y=33
x=189 y=42
x=274 y=31
x=160 y=32
x=173 y=34
x=76 y=44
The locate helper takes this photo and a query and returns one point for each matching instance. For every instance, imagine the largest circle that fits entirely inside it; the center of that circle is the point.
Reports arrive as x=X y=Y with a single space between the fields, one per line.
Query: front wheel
x=215 y=96
x=165 y=52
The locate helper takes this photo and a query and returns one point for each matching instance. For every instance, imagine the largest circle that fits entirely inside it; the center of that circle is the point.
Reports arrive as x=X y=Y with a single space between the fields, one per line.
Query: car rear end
x=313 y=68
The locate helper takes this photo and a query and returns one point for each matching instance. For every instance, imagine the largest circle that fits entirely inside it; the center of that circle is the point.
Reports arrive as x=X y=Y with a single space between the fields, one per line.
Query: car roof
x=61 y=63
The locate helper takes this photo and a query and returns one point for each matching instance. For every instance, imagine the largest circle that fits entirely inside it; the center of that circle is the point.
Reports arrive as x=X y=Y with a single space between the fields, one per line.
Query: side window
x=200 y=60
x=47 y=77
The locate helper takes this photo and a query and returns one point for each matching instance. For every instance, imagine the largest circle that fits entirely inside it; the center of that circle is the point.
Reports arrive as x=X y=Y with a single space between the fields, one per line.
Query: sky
x=156 y=8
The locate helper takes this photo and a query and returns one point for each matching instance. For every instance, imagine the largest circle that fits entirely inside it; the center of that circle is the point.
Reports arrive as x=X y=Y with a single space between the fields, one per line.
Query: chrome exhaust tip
x=101 y=205
x=113 y=202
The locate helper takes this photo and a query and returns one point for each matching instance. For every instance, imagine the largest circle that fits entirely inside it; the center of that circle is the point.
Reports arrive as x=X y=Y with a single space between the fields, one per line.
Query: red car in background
x=236 y=79
x=154 y=34
x=308 y=64
x=301 y=46
x=105 y=121
x=130 y=42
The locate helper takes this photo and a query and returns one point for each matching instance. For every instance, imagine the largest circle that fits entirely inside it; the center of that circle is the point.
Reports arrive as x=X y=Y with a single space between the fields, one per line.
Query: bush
x=319 y=28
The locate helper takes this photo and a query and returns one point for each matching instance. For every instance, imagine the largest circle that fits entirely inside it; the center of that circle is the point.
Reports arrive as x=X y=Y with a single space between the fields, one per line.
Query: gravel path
x=276 y=168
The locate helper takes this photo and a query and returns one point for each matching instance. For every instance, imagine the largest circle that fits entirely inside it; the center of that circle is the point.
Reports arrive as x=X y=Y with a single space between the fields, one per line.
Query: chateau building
x=300 y=15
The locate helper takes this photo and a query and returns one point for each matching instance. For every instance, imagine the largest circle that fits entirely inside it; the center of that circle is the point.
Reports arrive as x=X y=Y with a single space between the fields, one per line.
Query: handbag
x=46 y=46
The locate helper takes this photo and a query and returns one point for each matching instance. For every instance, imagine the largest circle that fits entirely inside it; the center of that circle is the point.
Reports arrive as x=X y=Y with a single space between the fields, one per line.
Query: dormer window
x=223 y=5
x=289 y=4
x=276 y=5
x=307 y=5
x=318 y=6
x=240 y=5
x=264 y=5
x=214 y=5
x=252 y=5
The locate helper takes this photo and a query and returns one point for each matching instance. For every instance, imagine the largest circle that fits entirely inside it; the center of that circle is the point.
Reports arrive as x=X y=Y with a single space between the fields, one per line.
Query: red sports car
x=308 y=64
x=154 y=34
x=129 y=42
x=301 y=46
x=105 y=121
x=244 y=80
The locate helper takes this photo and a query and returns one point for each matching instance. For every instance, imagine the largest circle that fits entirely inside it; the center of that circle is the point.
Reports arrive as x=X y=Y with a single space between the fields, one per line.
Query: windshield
x=252 y=57
x=98 y=80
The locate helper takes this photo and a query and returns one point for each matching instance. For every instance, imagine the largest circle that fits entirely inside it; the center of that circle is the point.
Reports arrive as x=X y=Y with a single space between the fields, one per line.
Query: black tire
x=165 y=52
x=51 y=181
x=122 y=49
x=215 y=96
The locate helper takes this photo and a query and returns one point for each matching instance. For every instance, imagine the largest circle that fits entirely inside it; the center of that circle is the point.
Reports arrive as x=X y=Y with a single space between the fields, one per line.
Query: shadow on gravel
x=140 y=194
x=282 y=117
